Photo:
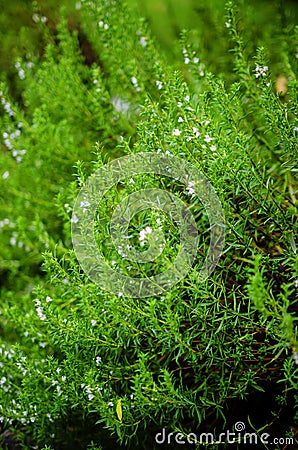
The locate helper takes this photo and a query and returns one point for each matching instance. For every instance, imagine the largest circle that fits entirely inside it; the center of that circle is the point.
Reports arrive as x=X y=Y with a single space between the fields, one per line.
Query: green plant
x=83 y=367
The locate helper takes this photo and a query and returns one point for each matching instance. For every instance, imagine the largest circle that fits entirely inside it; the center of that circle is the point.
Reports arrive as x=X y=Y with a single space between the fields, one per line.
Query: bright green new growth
x=70 y=350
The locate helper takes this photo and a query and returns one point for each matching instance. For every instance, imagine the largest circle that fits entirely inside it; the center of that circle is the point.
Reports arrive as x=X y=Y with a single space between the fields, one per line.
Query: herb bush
x=84 y=368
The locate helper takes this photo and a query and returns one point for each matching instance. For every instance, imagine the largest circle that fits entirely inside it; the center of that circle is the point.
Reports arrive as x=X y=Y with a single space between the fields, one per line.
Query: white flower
x=84 y=205
x=98 y=359
x=143 y=234
x=40 y=313
x=93 y=322
x=261 y=71
x=59 y=390
x=228 y=24
x=48 y=299
x=158 y=84
x=190 y=188
x=143 y=41
x=208 y=138
x=176 y=132
x=111 y=404
x=196 y=60
x=213 y=147
x=21 y=74
x=103 y=25
x=196 y=131
x=186 y=60
x=74 y=218
x=5 y=175
x=120 y=294
x=180 y=119
x=187 y=98
x=90 y=397
x=134 y=81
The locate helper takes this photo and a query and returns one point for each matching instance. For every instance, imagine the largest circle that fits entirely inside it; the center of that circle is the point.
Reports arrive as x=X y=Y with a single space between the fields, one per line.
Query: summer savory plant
x=85 y=368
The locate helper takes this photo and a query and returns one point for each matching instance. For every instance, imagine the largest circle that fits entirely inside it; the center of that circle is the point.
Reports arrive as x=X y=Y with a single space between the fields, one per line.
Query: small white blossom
x=13 y=241
x=74 y=218
x=5 y=175
x=143 y=234
x=213 y=147
x=91 y=397
x=190 y=188
x=84 y=205
x=186 y=60
x=21 y=74
x=261 y=71
x=208 y=138
x=93 y=322
x=158 y=84
x=180 y=119
x=228 y=24
x=176 y=132
x=110 y=404
x=59 y=390
x=196 y=131
x=143 y=41
x=48 y=299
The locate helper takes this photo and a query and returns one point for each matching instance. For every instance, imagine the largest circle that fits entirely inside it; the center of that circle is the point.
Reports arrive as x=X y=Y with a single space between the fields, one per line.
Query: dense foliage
x=84 y=368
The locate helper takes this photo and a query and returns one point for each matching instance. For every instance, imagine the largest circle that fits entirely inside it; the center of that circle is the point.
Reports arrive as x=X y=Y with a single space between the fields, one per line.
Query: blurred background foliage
x=262 y=19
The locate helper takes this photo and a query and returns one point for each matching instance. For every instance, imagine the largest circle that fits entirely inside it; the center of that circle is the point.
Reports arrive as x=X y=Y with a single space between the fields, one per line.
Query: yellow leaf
x=119 y=409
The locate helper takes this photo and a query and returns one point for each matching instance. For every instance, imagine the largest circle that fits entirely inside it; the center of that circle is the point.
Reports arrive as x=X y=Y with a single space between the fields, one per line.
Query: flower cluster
x=143 y=235
x=135 y=83
x=194 y=60
x=261 y=71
